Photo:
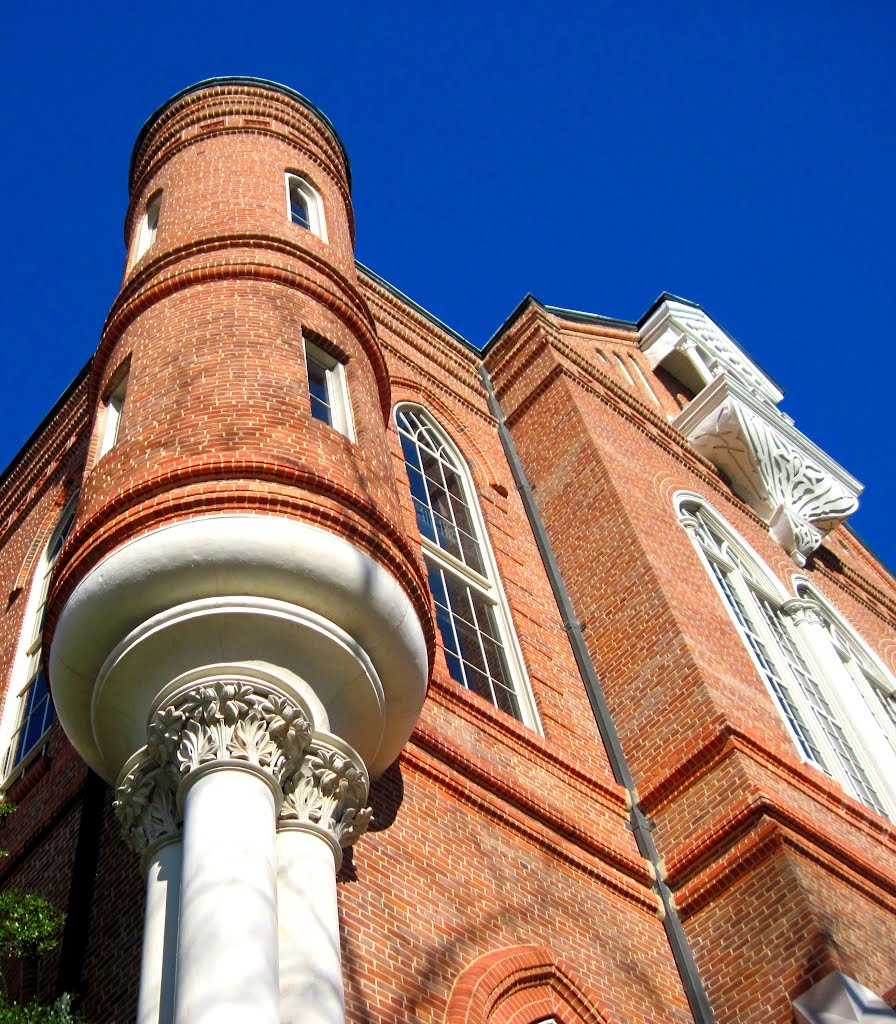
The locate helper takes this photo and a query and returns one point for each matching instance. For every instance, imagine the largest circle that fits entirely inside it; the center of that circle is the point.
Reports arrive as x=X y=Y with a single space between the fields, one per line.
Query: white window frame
x=149 y=227
x=872 y=679
x=26 y=667
x=486 y=585
x=113 y=408
x=317 y=223
x=336 y=386
x=796 y=672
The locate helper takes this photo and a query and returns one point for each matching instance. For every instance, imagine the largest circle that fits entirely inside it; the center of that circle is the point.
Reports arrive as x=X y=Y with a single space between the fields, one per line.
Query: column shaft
x=311 y=989
x=227 y=971
x=155 y=1003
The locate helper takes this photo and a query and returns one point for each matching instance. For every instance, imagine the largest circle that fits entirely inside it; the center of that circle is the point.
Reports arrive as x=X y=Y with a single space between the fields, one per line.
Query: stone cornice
x=795 y=488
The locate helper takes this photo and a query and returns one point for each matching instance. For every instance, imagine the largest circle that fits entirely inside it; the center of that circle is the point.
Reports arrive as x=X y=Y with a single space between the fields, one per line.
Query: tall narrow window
x=480 y=646
x=33 y=705
x=327 y=389
x=873 y=682
x=112 y=421
x=304 y=206
x=798 y=691
x=149 y=226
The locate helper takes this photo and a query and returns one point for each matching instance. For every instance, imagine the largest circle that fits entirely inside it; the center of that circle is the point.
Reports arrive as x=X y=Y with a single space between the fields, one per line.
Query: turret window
x=34 y=711
x=304 y=206
x=327 y=389
x=114 y=407
x=149 y=226
x=481 y=650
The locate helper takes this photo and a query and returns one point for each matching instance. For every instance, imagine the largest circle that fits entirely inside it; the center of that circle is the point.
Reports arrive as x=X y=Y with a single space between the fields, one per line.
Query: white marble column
x=147 y=808
x=323 y=812
x=235 y=742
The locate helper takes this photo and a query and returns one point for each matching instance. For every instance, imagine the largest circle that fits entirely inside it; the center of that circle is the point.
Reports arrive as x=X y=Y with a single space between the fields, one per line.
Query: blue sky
x=740 y=155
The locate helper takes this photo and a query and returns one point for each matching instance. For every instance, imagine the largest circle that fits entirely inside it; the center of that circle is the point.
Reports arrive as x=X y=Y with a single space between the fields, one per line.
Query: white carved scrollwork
x=803 y=610
x=328 y=794
x=230 y=719
x=791 y=484
x=146 y=804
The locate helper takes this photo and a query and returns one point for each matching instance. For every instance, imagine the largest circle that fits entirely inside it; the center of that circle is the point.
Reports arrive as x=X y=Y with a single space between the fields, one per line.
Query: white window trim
x=114 y=406
x=490 y=587
x=30 y=641
x=317 y=223
x=149 y=227
x=775 y=592
x=873 y=726
x=337 y=388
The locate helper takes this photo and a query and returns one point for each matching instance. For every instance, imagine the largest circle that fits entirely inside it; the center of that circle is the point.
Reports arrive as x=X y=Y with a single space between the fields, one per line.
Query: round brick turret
x=220 y=295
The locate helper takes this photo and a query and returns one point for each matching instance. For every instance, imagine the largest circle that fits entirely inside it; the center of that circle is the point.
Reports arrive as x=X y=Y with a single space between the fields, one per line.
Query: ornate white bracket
x=787 y=480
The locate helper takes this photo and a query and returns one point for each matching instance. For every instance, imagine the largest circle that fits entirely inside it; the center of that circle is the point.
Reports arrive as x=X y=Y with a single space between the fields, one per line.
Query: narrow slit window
x=327 y=389
x=112 y=421
x=149 y=226
x=304 y=206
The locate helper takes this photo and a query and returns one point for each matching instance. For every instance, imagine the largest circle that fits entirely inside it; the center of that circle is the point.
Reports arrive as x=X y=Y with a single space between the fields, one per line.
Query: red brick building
x=576 y=615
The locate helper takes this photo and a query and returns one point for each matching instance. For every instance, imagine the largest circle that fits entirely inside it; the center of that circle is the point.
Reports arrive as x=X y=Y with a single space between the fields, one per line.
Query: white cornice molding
x=786 y=479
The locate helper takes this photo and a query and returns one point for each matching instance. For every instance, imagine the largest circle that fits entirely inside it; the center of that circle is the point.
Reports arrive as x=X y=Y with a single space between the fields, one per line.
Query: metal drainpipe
x=640 y=824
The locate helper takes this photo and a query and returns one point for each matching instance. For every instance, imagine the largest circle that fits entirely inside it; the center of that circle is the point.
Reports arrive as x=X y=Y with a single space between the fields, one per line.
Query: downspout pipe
x=639 y=823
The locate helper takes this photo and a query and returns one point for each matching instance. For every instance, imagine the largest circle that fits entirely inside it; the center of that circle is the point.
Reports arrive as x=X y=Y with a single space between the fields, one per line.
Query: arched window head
x=764 y=618
x=31 y=707
x=149 y=227
x=481 y=649
x=304 y=206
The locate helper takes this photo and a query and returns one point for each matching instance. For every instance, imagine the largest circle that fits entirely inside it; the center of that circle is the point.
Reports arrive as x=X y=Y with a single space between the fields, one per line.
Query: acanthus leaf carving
x=146 y=804
x=329 y=792
x=230 y=719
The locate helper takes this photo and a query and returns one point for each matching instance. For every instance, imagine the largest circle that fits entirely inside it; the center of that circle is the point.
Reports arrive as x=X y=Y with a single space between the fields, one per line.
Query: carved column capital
x=802 y=610
x=230 y=719
x=328 y=795
x=146 y=804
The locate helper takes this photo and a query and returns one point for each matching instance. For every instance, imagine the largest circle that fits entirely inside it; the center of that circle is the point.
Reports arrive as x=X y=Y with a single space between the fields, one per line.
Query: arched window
x=811 y=713
x=304 y=206
x=481 y=649
x=149 y=226
x=32 y=705
x=875 y=684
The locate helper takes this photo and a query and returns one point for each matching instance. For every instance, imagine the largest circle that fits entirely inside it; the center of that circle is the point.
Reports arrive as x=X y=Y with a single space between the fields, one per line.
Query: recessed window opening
x=304 y=206
x=327 y=389
x=820 y=733
x=149 y=226
x=34 y=711
x=112 y=421
x=481 y=650
x=643 y=379
x=623 y=368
